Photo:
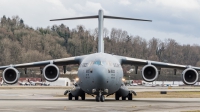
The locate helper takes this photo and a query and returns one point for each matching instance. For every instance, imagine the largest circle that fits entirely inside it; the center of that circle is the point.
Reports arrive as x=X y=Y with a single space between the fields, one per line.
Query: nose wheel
x=100 y=98
x=97 y=98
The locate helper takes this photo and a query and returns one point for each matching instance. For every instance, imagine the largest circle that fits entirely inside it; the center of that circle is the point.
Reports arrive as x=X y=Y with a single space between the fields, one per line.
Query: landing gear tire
x=70 y=96
x=116 y=96
x=123 y=98
x=102 y=98
x=130 y=97
x=83 y=96
x=76 y=97
x=97 y=98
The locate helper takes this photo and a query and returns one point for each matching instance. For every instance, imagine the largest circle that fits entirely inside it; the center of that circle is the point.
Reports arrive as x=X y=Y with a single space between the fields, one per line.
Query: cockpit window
x=98 y=63
x=84 y=64
x=104 y=63
x=91 y=63
x=109 y=63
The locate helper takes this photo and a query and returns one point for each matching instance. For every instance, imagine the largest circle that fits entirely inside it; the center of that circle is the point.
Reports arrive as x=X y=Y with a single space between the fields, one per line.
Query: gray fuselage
x=100 y=71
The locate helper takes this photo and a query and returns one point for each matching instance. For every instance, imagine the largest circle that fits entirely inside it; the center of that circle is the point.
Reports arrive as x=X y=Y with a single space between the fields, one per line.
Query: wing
x=142 y=62
x=59 y=62
x=151 y=69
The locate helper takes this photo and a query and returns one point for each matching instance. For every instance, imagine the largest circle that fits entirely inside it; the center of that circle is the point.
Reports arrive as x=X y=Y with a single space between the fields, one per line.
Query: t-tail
x=100 y=17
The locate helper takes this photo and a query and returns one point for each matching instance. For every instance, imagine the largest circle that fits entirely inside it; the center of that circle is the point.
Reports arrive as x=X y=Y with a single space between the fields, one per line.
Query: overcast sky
x=176 y=19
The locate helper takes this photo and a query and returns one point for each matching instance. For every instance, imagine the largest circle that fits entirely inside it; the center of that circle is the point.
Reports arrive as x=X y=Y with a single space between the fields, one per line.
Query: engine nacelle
x=190 y=76
x=149 y=73
x=10 y=75
x=51 y=72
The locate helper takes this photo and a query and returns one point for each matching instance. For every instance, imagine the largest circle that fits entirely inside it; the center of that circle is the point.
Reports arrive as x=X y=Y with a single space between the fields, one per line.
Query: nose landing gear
x=100 y=97
x=97 y=98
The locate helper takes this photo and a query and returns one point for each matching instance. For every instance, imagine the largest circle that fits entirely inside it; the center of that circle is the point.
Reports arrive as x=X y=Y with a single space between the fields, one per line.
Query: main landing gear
x=70 y=96
x=129 y=96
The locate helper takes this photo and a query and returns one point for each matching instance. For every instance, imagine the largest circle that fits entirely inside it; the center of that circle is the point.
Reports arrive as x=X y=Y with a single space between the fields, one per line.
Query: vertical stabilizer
x=100 y=32
x=100 y=17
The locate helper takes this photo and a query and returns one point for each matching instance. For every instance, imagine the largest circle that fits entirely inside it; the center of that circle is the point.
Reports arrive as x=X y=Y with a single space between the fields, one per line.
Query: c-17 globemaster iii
x=100 y=73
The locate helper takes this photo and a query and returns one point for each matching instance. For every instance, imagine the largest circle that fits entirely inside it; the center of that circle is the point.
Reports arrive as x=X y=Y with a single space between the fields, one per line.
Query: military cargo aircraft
x=100 y=73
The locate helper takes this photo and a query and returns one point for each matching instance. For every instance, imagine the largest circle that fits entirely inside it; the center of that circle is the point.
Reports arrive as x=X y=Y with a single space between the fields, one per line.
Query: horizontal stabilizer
x=114 y=17
x=84 y=17
x=104 y=16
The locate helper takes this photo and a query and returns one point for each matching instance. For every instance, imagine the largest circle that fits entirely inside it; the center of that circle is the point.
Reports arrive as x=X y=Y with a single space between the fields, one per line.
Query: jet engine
x=149 y=73
x=51 y=72
x=10 y=75
x=190 y=76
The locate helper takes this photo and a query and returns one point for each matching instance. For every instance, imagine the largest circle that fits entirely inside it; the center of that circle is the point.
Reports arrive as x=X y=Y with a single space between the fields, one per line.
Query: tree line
x=20 y=43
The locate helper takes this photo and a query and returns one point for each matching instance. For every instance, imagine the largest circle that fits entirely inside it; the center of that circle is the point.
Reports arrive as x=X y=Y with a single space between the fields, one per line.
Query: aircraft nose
x=100 y=77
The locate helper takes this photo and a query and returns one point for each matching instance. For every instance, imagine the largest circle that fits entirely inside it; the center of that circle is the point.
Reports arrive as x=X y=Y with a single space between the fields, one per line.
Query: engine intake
x=149 y=73
x=190 y=76
x=51 y=72
x=11 y=75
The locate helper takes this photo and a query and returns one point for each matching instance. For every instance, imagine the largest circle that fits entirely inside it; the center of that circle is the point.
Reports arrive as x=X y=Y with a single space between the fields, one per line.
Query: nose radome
x=100 y=77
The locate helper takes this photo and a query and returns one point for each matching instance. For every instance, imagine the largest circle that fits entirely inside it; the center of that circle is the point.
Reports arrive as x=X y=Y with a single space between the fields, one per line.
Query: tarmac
x=45 y=100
